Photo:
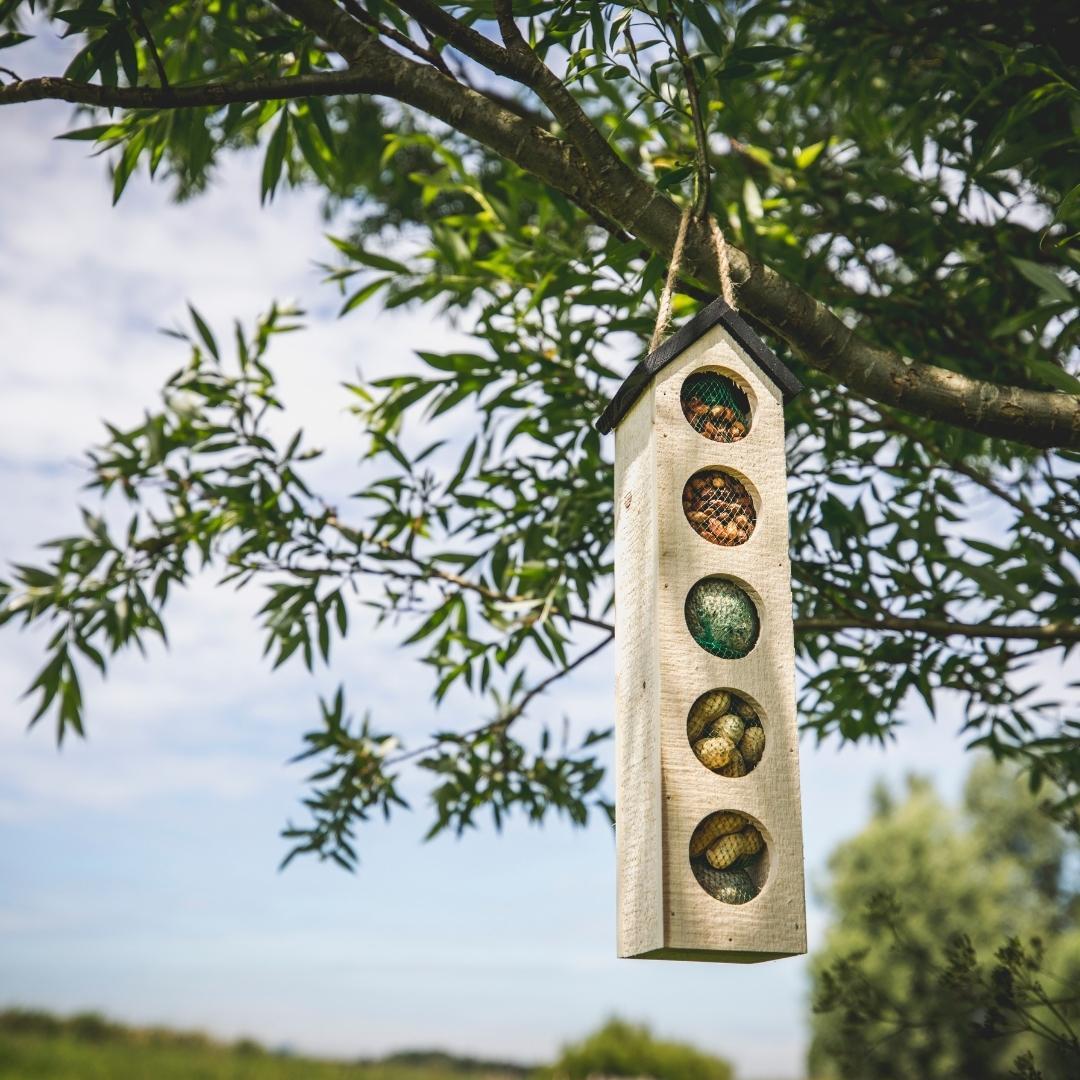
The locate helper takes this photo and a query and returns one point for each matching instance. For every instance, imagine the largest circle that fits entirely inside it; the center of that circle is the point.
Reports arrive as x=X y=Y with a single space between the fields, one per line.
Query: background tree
x=897 y=186
x=954 y=949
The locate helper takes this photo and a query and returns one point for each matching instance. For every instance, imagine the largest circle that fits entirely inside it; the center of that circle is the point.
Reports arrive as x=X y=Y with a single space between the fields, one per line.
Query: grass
x=38 y=1046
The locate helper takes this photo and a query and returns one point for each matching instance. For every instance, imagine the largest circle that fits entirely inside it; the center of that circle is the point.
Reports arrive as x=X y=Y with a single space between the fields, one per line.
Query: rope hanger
x=723 y=263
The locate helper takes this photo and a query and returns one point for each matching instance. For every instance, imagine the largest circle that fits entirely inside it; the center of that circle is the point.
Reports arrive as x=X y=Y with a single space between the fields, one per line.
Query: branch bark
x=315 y=84
x=1054 y=633
x=586 y=169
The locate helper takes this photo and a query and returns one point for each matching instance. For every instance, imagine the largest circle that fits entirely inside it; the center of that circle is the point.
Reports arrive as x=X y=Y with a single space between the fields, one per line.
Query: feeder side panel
x=639 y=843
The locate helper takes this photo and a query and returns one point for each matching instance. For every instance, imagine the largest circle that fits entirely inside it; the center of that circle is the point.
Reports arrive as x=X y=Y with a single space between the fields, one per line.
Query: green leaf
x=1045 y=278
x=1069 y=207
x=275 y=157
x=761 y=54
x=752 y=201
x=805 y=158
x=368 y=258
x=92 y=133
x=1053 y=375
x=204 y=333
x=363 y=295
x=1036 y=319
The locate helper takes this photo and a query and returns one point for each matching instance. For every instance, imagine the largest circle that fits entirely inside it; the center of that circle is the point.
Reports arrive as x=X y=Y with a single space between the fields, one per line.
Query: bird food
x=722 y=618
x=719 y=508
x=725 y=733
x=715 y=406
x=728 y=857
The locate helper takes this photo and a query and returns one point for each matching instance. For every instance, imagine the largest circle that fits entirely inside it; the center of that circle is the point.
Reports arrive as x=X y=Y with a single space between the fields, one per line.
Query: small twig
x=702 y=172
x=429 y=37
x=365 y=18
x=140 y=22
x=515 y=713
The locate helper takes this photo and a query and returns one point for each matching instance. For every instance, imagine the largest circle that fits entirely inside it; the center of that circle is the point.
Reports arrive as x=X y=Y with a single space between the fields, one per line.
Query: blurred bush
x=620 y=1049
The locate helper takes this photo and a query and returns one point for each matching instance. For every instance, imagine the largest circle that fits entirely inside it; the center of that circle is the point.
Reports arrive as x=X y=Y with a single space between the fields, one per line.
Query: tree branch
x=1054 y=633
x=314 y=84
x=598 y=157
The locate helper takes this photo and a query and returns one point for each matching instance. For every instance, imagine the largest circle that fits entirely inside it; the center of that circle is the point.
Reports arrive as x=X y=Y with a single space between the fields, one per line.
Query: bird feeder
x=709 y=826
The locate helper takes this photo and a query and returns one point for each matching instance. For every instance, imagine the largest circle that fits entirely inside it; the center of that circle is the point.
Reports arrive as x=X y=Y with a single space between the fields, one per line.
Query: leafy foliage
x=908 y=166
x=955 y=947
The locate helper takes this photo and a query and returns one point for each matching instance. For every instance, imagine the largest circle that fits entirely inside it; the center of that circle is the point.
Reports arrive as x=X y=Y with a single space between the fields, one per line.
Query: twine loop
x=723 y=264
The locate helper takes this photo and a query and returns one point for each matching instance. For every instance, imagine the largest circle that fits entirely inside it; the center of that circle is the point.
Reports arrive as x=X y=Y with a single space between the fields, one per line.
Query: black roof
x=715 y=313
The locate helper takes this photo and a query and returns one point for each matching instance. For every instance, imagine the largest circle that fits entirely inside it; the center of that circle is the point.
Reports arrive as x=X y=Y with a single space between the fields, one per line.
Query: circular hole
x=719 y=508
x=722 y=618
x=729 y=856
x=725 y=733
x=716 y=406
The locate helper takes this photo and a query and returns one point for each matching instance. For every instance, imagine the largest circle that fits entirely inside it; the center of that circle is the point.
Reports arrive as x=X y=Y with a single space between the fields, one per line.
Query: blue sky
x=138 y=869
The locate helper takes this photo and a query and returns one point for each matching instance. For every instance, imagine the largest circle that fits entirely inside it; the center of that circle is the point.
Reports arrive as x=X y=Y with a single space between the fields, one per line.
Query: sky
x=138 y=868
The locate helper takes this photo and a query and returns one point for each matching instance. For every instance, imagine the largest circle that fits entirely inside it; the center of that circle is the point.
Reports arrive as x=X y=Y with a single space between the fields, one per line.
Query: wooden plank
x=639 y=843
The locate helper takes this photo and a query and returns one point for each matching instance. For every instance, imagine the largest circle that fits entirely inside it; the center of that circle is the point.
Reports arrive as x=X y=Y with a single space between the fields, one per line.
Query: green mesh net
x=727 y=886
x=719 y=508
x=728 y=857
x=715 y=406
x=722 y=618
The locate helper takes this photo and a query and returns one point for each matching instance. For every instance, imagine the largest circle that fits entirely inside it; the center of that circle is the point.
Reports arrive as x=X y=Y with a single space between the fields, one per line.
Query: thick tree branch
x=1055 y=633
x=314 y=84
x=1035 y=417
x=609 y=188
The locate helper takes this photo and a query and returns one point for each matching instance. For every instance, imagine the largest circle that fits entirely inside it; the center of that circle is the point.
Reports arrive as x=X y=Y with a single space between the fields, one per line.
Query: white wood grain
x=663 y=791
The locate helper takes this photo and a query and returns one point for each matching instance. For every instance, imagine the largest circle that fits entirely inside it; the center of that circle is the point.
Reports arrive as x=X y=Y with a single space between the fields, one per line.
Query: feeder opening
x=729 y=857
x=725 y=733
x=716 y=406
x=719 y=507
x=722 y=618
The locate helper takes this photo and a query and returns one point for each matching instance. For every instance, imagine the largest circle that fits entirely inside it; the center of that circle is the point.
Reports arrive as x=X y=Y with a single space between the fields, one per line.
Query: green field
x=36 y=1045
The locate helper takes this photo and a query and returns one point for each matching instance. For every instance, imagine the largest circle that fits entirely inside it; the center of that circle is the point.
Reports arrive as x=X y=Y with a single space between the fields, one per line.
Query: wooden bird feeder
x=709 y=826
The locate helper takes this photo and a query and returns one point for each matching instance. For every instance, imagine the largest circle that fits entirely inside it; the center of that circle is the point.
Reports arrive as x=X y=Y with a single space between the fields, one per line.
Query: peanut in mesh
x=721 y=423
x=719 y=508
x=735 y=767
x=715 y=752
x=707 y=708
x=715 y=826
x=729 y=726
x=723 y=715
x=727 y=849
x=752 y=745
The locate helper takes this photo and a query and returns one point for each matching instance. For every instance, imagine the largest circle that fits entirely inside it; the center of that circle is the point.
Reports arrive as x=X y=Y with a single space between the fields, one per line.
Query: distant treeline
x=92 y=1027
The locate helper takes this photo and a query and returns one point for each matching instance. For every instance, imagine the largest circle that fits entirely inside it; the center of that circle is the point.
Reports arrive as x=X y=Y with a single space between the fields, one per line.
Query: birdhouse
x=708 y=818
